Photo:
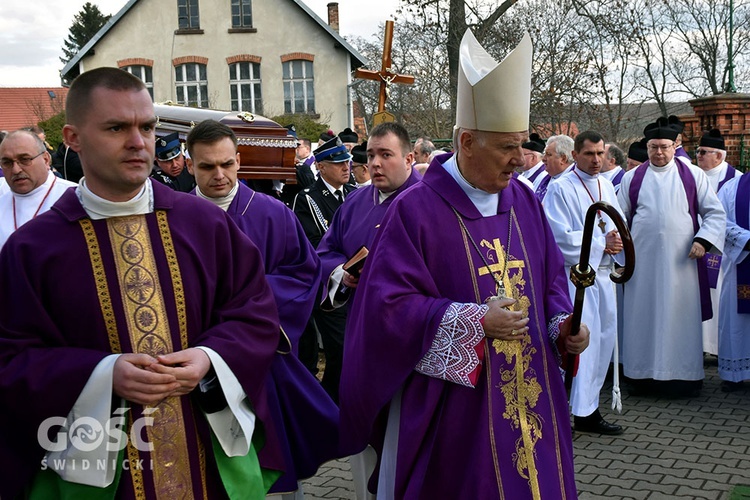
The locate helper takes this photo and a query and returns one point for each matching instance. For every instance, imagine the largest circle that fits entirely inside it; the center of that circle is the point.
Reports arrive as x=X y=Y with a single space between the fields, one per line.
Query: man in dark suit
x=315 y=207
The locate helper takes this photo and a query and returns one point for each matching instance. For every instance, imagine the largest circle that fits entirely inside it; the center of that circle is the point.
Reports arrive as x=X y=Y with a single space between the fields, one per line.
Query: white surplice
x=566 y=204
x=734 y=339
x=711 y=327
x=30 y=204
x=610 y=176
x=662 y=334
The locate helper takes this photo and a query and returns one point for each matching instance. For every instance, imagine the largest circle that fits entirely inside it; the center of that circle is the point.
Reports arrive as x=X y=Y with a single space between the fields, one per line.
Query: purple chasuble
x=291 y=264
x=455 y=441
x=355 y=224
x=306 y=417
x=741 y=210
x=53 y=331
x=688 y=183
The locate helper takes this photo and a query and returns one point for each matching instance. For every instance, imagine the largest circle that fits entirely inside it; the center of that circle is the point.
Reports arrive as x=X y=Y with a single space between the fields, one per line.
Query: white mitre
x=492 y=96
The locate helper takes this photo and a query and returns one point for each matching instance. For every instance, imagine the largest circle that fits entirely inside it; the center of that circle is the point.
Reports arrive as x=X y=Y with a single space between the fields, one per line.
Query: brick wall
x=730 y=113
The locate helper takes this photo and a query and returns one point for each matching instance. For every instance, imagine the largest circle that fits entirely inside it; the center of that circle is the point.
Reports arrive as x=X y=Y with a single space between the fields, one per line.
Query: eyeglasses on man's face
x=660 y=147
x=704 y=151
x=23 y=161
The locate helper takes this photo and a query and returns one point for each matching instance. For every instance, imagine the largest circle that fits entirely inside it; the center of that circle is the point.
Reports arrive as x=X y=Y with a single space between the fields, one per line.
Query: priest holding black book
x=352 y=231
x=389 y=158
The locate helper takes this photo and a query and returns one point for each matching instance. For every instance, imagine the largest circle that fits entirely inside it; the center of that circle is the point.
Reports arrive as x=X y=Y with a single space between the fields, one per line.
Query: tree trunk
x=456 y=29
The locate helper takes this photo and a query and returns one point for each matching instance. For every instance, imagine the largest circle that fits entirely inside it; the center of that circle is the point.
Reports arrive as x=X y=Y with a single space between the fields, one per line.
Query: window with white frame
x=146 y=75
x=191 y=84
x=299 y=91
x=242 y=14
x=244 y=87
x=187 y=14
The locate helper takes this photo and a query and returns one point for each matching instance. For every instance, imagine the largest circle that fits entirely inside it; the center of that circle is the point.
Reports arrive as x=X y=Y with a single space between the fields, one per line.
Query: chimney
x=333 y=16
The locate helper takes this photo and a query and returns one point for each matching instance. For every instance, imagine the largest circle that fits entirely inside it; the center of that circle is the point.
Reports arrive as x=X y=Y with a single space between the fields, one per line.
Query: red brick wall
x=730 y=113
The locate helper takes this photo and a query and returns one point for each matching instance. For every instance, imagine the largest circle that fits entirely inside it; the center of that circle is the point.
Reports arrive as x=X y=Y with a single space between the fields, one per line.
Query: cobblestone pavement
x=671 y=449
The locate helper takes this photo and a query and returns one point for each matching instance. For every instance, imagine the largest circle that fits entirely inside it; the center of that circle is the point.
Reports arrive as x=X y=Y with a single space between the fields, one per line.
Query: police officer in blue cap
x=169 y=164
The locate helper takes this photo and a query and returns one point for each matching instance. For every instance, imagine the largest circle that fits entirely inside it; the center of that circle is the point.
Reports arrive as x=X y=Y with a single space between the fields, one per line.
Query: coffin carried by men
x=266 y=148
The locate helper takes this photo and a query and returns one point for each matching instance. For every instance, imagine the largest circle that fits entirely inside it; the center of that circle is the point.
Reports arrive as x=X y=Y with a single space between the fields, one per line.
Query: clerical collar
x=485 y=202
x=384 y=196
x=222 y=202
x=716 y=170
x=98 y=208
x=41 y=187
x=584 y=175
x=664 y=167
x=366 y=183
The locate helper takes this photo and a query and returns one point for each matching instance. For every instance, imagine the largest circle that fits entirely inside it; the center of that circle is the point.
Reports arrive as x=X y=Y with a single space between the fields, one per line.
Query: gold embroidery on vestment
x=105 y=304
x=102 y=290
x=135 y=472
x=149 y=331
x=519 y=386
x=174 y=271
x=541 y=326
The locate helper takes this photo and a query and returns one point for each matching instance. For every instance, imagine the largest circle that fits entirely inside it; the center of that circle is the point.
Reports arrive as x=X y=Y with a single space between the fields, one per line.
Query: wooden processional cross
x=385 y=76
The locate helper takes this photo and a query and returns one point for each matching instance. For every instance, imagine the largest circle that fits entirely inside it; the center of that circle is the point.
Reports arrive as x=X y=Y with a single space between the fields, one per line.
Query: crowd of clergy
x=456 y=331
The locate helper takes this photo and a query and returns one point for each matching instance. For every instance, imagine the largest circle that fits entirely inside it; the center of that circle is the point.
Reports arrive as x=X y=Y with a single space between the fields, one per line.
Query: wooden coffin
x=266 y=148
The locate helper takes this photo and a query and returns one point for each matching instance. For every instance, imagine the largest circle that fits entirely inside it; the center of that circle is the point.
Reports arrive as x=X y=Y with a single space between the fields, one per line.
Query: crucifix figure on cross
x=385 y=75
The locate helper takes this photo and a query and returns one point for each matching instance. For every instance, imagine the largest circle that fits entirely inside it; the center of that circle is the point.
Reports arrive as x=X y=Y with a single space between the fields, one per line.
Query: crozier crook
x=583 y=276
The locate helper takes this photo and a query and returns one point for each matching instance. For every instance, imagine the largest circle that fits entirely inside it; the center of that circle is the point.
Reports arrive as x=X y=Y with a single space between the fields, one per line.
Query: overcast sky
x=32 y=32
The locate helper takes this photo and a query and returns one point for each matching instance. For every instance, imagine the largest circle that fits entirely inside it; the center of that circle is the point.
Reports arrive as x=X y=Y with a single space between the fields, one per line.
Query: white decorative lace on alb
x=452 y=356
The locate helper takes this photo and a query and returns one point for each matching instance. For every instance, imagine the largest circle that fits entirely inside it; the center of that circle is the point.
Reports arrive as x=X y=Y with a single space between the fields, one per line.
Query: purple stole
x=536 y=174
x=741 y=209
x=729 y=174
x=542 y=189
x=618 y=178
x=680 y=151
x=688 y=182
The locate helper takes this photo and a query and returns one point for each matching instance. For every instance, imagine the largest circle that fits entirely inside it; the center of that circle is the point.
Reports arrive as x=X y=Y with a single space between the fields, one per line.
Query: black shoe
x=727 y=386
x=595 y=423
x=678 y=389
x=642 y=387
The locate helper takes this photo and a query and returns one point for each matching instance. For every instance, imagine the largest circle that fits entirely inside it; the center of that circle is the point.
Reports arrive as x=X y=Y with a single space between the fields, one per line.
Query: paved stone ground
x=671 y=449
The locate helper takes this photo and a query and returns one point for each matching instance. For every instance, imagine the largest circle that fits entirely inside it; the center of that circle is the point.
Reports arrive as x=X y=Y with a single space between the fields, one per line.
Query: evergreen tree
x=85 y=25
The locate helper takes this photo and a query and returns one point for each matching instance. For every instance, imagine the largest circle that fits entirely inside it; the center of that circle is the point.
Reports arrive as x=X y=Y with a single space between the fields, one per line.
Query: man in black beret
x=675 y=219
x=677 y=124
x=359 y=165
x=534 y=169
x=349 y=137
x=711 y=158
x=637 y=154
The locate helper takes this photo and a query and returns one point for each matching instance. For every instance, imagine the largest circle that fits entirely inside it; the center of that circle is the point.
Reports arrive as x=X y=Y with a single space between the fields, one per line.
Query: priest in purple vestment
x=306 y=417
x=454 y=341
x=355 y=223
x=139 y=342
